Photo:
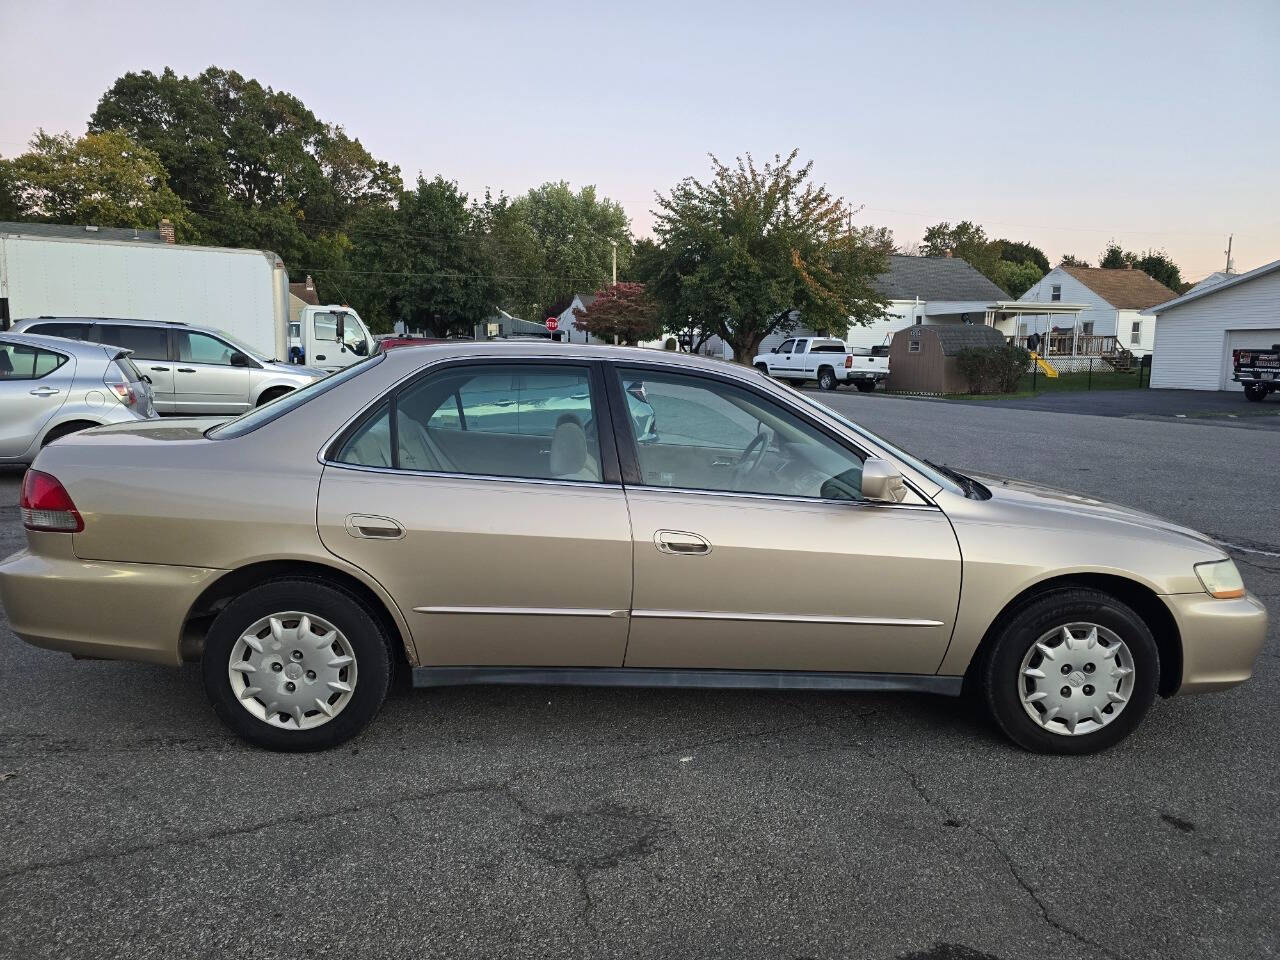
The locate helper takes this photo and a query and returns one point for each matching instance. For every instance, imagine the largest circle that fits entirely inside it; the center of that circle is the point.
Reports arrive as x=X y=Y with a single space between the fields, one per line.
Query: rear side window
x=147 y=343
x=827 y=348
x=129 y=369
x=73 y=331
x=532 y=421
x=18 y=361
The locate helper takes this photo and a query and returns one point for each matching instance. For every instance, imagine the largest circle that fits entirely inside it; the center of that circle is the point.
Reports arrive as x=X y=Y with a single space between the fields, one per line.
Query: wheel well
x=271 y=393
x=826 y=366
x=1141 y=599
x=71 y=426
x=229 y=586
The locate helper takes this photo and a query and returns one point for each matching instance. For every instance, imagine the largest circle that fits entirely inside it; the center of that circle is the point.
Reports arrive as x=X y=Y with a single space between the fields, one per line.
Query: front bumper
x=1220 y=639
x=94 y=608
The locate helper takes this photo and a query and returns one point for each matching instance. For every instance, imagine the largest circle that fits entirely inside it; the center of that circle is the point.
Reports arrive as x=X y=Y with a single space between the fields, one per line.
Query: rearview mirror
x=882 y=482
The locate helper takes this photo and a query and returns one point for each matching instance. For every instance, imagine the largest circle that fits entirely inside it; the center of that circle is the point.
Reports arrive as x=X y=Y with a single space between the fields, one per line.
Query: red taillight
x=46 y=505
x=125 y=392
x=848 y=360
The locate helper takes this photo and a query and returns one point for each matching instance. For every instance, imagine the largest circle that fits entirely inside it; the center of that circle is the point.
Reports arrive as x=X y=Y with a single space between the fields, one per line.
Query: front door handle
x=44 y=391
x=160 y=369
x=320 y=356
x=681 y=543
x=186 y=370
x=374 y=528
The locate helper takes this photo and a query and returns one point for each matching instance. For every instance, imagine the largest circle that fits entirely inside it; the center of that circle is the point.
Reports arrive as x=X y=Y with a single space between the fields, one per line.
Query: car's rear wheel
x=865 y=386
x=1254 y=392
x=65 y=430
x=827 y=379
x=296 y=665
x=1072 y=672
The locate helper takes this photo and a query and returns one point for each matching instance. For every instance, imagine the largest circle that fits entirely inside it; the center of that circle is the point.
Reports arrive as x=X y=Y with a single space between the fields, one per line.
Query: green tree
x=1114 y=257
x=425 y=262
x=102 y=178
x=1016 y=278
x=966 y=240
x=622 y=310
x=1071 y=260
x=554 y=242
x=878 y=238
x=754 y=247
x=1015 y=251
x=255 y=166
x=1154 y=263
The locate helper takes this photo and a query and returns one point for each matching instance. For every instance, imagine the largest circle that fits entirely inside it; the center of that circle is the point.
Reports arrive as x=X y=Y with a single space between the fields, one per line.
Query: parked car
x=407 y=508
x=51 y=387
x=383 y=344
x=825 y=360
x=193 y=370
x=1258 y=371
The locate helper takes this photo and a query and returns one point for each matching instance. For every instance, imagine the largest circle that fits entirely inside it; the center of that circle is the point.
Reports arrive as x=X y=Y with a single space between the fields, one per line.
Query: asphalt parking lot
x=632 y=823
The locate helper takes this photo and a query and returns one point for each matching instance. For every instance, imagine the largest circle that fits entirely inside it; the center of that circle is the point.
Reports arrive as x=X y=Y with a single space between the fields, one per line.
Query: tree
x=965 y=240
x=1154 y=263
x=622 y=310
x=1071 y=260
x=424 y=261
x=1015 y=251
x=554 y=242
x=102 y=178
x=879 y=238
x=753 y=249
x=255 y=167
x=1115 y=258
x=1016 y=278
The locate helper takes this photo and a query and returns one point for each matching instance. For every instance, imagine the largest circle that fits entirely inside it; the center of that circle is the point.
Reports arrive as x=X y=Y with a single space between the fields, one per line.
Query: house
x=938 y=291
x=568 y=324
x=1113 y=303
x=305 y=291
x=1196 y=332
x=922 y=357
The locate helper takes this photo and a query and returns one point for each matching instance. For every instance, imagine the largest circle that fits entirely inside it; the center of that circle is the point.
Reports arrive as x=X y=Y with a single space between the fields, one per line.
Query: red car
x=387 y=343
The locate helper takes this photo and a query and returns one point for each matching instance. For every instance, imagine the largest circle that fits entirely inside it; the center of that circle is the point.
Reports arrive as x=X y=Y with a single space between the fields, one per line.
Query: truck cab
x=329 y=337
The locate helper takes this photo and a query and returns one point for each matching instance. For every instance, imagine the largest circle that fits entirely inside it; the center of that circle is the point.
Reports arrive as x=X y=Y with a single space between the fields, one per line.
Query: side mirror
x=774 y=350
x=340 y=327
x=239 y=360
x=882 y=482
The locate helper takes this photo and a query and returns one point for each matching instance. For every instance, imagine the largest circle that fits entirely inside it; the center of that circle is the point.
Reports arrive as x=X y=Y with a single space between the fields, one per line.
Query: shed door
x=1245 y=340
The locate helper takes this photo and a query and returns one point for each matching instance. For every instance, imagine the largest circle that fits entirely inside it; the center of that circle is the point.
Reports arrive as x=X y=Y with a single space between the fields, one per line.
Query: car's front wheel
x=1072 y=672
x=296 y=665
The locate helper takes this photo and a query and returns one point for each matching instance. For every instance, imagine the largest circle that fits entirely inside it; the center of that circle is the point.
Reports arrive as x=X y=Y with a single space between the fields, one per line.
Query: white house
x=569 y=325
x=1196 y=332
x=1113 y=303
x=936 y=290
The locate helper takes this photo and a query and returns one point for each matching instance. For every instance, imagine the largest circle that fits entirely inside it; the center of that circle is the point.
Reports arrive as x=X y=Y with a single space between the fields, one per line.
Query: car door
x=34 y=384
x=495 y=518
x=781 y=365
x=800 y=359
x=150 y=346
x=753 y=548
x=206 y=376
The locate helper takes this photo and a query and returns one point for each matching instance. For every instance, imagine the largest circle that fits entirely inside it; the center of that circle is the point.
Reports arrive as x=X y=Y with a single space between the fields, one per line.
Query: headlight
x=1221 y=579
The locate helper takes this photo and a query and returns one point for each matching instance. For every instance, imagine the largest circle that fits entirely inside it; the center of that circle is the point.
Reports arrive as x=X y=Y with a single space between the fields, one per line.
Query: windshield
x=916 y=464
x=260 y=416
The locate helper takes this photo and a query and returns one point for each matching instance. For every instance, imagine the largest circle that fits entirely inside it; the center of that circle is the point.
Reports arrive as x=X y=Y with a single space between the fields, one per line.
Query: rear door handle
x=681 y=543
x=186 y=370
x=44 y=391
x=374 y=528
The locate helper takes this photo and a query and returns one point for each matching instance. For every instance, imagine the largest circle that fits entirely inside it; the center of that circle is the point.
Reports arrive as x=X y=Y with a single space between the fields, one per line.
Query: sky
x=1064 y=125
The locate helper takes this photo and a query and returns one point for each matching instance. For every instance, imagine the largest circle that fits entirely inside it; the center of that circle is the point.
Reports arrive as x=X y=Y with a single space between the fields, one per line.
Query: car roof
x=27 y=321
x=416 y=355
x=81 y=348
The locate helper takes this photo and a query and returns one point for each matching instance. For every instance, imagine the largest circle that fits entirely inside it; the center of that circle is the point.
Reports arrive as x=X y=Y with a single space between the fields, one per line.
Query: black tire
x=1254 y=393
x=272 y=394
x=343 y=610
x=827 y=379
x=1000 y=671
x=65 y=430
x=865 y=386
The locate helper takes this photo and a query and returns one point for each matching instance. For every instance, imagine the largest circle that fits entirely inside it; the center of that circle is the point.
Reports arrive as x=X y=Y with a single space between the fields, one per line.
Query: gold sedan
x=527 y=513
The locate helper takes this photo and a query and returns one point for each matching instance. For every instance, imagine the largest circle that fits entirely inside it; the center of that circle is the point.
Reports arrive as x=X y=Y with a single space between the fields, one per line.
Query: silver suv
x=50 y=387
x=192 y=369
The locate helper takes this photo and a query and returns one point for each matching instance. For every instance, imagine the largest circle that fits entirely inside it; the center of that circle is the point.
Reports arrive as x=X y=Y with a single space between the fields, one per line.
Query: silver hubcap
x=293 y=670
x=1076 y=679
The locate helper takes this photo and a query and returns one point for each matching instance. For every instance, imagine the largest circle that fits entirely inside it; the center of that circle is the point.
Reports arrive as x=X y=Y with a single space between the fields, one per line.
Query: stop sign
x=553 y=324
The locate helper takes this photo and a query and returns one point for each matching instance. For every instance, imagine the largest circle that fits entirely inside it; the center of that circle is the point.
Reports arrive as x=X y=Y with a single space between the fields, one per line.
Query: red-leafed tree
x=624 y=311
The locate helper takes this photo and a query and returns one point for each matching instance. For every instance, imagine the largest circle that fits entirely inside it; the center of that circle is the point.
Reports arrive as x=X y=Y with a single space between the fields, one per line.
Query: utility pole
x=614 y=243
x=1230 y=265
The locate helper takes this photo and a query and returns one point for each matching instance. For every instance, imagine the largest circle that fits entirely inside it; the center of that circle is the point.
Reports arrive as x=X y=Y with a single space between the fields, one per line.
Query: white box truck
x=243 y=292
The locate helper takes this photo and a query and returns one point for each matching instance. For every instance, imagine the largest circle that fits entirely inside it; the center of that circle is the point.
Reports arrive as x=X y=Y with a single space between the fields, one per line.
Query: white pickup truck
x=826 y=360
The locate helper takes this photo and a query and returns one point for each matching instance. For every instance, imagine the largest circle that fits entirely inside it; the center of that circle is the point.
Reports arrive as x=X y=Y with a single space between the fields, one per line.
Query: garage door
x=1245 y=340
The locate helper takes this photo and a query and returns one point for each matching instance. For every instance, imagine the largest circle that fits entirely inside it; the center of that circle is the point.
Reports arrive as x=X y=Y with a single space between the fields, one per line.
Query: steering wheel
x=750 y=459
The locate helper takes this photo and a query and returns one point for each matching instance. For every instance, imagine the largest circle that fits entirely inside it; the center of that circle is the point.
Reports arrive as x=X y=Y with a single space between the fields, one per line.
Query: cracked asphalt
x=632 y=823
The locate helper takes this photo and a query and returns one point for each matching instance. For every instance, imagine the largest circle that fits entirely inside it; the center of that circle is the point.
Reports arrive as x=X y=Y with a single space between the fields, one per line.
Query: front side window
x=710 y=435
x=147 y=343
x=18 y=361
x=202 y=348
x=325 y=326
x=534 y=421
x=786 y=346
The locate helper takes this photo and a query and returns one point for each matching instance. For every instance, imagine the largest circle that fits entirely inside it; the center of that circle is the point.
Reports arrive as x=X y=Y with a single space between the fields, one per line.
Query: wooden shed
x=922 y=358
